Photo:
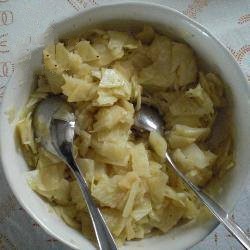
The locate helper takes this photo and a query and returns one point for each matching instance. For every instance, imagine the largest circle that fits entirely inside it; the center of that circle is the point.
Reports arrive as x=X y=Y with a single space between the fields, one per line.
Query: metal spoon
x=54 y=124
x=149 y=119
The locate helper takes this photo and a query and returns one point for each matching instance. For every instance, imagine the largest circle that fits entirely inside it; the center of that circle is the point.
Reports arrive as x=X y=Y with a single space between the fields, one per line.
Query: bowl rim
x=130 y=3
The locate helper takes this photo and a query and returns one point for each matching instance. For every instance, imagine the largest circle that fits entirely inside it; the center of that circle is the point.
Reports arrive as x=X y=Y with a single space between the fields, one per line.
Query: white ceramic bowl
x=217 y=58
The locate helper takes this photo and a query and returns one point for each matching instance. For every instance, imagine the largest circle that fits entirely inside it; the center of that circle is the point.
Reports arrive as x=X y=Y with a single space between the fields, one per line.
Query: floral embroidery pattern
x=2 y=88
x=241 y=53
x=4 y=43
x=35 y=225
x=6 y=18
x=51 y=240
x=6 y=69
x=241 y=57
x=244 y=19
x=195 y=7
x=78 y=4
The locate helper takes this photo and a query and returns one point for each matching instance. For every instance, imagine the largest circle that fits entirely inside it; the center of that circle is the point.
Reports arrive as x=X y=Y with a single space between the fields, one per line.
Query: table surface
x=229 y=20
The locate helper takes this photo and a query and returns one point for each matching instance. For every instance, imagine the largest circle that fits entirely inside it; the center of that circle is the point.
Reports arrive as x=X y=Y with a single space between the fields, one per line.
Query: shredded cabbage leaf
x=105 y=76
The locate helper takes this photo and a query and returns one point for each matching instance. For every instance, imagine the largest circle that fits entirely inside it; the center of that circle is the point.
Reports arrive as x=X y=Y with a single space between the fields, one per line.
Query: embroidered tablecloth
x=22 y=22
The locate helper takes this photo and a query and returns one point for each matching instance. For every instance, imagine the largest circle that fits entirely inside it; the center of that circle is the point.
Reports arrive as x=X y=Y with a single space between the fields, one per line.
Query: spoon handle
x=214 y=208
x=104 y=237
x=62 y=134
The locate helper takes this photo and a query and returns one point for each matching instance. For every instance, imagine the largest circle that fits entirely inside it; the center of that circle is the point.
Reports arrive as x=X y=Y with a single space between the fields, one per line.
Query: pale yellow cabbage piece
x=76 y=196
x=75 y=63
x=125 y=68
x=118 y=85
x=96 y=72
x=112 y=153
x=140 y=162
x=86 y=51
x=119 y=134
x=188 y=120
x=56 y=58
x=105 y=98
x=133 y=230
x=84 y=143
x=107 y=118
x=105 y=54
x=147 y=35
x=197 y=133
x=115 y=220
x=68 y=214
x=173 y=64
x=25 y=133
x=158 y=74
x=48 y=179
x=56 y=61
x=51 y=185
x=81 y=70
x=84 y=116
x=192 y=209
x=180 y=198
x=135 y=188
x=55 y=81
x=157 y=183
x=108 y=193
x=87 y=167
x=178 y=141
x=128 y=179
x=142 y=209
x=161 y=45
x=182 y=135
x=139 y=59
x=192 y=156
x=214 y=87
x=78 y=89
x=86 y=229
x=193 y=102
x=113 y=86
x=183 y=64
x=112 y=144
x=121 y=39
x=200 y=177
x=158 y=143
x=167 y=217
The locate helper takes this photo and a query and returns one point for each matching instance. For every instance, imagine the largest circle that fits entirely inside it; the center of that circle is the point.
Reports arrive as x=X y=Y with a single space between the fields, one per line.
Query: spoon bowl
x=47 y=111
x=148 y=118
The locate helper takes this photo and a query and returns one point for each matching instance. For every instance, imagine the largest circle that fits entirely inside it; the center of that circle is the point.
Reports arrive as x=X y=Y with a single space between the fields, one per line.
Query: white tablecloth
x=22 y=22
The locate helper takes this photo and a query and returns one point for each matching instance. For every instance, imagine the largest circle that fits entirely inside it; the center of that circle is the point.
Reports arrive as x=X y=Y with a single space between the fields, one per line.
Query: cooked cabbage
x=105 y=76
x=86 y=51
x=78 y=89
x=182 y=135
x=173 y=64
x=158 y=143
